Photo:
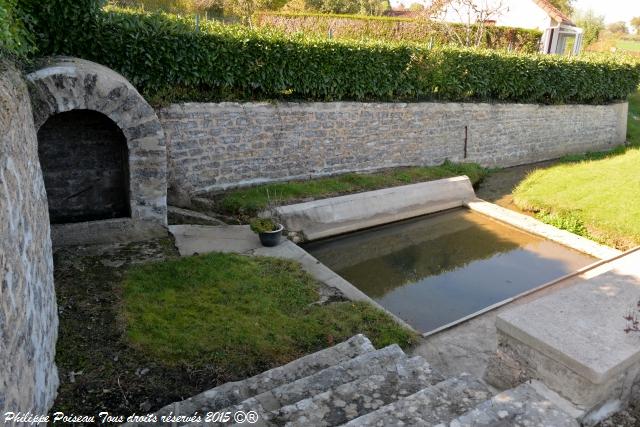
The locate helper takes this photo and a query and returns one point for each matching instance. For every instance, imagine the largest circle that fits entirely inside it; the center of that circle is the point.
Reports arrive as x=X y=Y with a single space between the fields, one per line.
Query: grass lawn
x=595 y=195
x=241 y=314
x=628 y=45
x=248 y=201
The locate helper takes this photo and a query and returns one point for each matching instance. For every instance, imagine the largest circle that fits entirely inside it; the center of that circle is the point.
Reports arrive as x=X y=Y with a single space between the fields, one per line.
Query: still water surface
x=436 y=269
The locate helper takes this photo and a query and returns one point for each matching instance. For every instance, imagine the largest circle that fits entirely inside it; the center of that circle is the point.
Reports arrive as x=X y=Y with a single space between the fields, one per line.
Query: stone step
x=518 y=407
x=430 y=406
x=361 y=396
x=232 y=393
x=327 y=379
x=377 y=362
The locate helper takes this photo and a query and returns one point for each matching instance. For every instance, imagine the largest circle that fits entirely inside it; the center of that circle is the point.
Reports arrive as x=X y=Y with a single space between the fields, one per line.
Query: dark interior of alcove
x=84 y=159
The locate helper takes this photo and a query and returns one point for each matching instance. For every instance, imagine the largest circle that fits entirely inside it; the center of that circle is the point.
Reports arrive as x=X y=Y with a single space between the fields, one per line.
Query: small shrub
x=633 y=323
x=565 y=221
x=263 y=225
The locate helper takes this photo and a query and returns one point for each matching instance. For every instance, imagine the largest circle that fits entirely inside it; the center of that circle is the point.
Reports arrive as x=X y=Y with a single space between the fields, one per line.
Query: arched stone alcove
x=103 y=154
x=84 y=155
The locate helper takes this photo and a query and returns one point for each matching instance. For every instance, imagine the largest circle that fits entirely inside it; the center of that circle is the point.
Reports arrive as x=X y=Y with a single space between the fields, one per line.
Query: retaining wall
x=217 y=145
x=28 y=313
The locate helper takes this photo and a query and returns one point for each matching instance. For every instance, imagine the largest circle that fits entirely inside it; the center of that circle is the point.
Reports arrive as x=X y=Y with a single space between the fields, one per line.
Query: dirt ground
x=498 y=186
x=98 y=370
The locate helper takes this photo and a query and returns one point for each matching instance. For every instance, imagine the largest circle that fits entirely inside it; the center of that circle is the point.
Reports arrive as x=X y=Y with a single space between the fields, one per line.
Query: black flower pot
x=271 y=238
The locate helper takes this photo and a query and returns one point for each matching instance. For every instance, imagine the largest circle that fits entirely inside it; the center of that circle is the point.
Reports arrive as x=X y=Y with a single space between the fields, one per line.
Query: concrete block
x=337 y=215
x=573 y=339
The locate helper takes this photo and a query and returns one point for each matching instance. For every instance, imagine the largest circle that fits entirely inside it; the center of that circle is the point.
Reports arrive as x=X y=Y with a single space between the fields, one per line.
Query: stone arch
x=66 y=84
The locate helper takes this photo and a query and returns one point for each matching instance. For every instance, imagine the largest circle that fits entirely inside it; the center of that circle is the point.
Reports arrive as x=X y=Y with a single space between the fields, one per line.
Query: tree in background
x=619 y=27
x=635 y=23
x=565 y=6
x=416 y=7
x=351 y=7
x=591 y=23
x=473 y=14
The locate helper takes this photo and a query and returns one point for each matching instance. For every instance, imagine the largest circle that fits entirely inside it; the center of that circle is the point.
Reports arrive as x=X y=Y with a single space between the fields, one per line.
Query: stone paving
x=354 y=384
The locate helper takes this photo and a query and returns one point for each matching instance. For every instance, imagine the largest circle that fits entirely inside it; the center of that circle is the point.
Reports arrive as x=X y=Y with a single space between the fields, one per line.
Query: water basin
x=434 y=270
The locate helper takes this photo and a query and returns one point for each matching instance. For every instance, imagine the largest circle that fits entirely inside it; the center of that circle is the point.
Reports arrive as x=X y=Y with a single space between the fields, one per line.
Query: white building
x=561 y=35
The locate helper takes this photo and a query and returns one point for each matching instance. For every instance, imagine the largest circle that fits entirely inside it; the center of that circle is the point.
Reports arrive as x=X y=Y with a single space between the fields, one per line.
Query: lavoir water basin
x=436 y=269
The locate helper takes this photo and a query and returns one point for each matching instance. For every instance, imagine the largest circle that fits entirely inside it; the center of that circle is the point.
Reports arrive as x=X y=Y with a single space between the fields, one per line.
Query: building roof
x=554 y=12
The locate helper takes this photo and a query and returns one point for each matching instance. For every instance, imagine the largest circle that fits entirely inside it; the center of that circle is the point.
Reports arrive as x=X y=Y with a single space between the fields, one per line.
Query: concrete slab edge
x=534 y=226
x=505 y=327
x=543 y=348
x=338 y=215
x=117 y=230
x=584 y=270
x=324 y=274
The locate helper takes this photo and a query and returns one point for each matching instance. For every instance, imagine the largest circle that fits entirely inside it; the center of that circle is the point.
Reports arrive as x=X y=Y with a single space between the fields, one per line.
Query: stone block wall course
x=28 y=312
x=212 y=146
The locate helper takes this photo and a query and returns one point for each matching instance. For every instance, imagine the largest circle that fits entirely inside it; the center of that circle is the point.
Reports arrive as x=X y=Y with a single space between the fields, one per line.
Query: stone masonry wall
x=217 y=145
x=28 y=313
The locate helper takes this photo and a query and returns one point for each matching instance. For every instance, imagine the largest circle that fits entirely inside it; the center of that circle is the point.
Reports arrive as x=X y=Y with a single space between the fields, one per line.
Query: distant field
x=630 y=45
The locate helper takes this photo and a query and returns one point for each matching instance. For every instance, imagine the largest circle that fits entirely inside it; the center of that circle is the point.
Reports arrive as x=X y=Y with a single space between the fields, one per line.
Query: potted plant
x=269 y=231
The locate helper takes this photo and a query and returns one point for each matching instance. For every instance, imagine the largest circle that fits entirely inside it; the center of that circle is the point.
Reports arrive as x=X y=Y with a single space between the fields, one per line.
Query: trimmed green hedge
x=356 y=27
x=15 y=39
x=166 y=58
x=60 y=26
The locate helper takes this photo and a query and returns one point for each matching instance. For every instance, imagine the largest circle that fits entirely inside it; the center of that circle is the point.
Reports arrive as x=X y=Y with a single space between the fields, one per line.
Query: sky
x=612 y=10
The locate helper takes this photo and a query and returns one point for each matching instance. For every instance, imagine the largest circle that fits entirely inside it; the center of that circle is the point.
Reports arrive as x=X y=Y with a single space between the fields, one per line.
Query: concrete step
x=231 y=394
x=430 y=406
x=519 y=407
x=363 y=395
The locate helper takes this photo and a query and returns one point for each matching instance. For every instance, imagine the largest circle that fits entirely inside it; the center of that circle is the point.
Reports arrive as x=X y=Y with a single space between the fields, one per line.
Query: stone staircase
x=354 y=384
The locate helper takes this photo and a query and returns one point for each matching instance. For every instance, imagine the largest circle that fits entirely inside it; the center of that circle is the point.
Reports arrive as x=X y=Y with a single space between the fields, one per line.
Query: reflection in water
x=433 y=270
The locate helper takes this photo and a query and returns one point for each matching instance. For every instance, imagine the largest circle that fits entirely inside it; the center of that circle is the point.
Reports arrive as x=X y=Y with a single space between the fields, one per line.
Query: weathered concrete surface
x=177 y=216
x=539 y=228
x=573 y=339
x=430 y=406
x=467 y=347
x=337 y=215
x=28 y=312
x=217 y=145
x=201 y=239
x=118 y=230
x=518 y=407
x=67 y=84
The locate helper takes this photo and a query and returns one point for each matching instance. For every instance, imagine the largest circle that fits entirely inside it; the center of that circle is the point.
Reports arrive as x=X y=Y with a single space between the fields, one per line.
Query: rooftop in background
x=554 y=12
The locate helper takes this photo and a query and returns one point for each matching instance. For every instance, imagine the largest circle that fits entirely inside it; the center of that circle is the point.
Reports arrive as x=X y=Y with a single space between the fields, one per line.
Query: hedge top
x=168 y=59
